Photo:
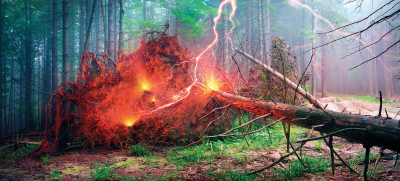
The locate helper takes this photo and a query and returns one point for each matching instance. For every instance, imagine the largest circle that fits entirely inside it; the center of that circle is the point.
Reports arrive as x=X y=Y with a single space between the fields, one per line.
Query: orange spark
x=129 y=121
x=212 y=84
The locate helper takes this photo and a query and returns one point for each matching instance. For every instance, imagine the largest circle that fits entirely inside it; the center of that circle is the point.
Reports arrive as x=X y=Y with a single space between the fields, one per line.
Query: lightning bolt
x=185 y=92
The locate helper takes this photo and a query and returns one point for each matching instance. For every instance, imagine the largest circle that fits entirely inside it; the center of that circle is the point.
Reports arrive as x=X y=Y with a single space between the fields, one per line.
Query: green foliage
x=296 y=169
x=338 y=100
x=238 y=175
x=21 y=152
x=45 y=159
x=318 y=144
x=167 y=177
x=352 y=163
x=138 y=150
x=102 y=172
x=55 y=176
x=4 y=154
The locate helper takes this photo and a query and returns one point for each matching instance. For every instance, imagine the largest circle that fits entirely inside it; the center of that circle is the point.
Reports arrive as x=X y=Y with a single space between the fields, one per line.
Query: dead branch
x=292 y=85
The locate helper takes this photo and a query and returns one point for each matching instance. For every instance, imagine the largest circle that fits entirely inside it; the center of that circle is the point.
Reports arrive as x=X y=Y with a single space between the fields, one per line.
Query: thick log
x=372 y=130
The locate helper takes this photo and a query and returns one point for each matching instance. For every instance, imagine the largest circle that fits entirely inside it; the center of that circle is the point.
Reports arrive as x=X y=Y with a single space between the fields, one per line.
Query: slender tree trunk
x=302 y=53
x=54 y=57
x=72 y=51
x=82 y=28
x=323 y=67
x=248 y=27
x=98 y=29
x=104 y=26
x=111 y=31
x=267 y=31
x=1 y=71
x=65 y=49
x=121 y=28
x=115 y=32
x=28 y=68
x=46 y=80
x=225 y=53
x=313 y=72
x=260 y=31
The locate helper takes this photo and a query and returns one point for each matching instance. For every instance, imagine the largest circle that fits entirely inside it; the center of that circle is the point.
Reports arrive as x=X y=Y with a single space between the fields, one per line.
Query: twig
x=292 y=85
x=376 y=163
x=340 y=158
x=380 y=104
x=366 y=161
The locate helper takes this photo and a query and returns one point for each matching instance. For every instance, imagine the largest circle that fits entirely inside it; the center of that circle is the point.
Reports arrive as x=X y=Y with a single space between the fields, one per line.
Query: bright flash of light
x=185 y=92
x=129 y=121
x=153 y=99
x=145 y=86
x=212 y=84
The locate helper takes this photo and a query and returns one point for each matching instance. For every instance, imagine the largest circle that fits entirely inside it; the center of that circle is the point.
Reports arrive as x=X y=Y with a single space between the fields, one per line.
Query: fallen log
x=364 y=129
x=23 y=142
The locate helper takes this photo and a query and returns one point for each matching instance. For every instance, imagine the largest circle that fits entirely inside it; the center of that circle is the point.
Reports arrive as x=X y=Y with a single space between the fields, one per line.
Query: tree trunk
x=111 y=31
x=46 y=80
x=313 y=71
x=260 y=31
x=323 y=67
x=267 y=32
x=302 y=53
x=98 y=23
x=54 y=58
x=65 y=47
x=1 y=71
x=121 y=29
x=225 y=49
x=28 y=67
x=248 y=27
x=367 y=130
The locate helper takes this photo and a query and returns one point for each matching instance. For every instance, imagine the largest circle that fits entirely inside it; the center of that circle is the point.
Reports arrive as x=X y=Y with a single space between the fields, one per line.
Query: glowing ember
x=145 y=86
x=153 y=99
x=130 y=121
x=212 y=84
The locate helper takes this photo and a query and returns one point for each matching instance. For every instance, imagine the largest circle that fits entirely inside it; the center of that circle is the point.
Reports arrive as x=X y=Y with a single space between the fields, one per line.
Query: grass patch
x=295 y=168
x=234 y=145
x=45 y=159
x=338 y=144
x=138 y=150
x=368 y=98
x=318 y=144
x=237 y=175
x=102 y=172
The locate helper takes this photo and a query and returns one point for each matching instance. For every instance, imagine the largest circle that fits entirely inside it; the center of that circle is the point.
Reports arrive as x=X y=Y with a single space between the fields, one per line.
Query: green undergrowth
x=295 y=169
x=235 y=146
x=6 y=154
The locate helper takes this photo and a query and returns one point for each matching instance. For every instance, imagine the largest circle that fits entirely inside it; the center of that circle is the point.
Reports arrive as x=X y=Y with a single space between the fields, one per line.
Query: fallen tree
x=368 y=130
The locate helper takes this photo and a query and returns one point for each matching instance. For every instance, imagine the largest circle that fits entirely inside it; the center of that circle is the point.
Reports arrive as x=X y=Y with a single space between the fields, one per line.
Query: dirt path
x=357 y=106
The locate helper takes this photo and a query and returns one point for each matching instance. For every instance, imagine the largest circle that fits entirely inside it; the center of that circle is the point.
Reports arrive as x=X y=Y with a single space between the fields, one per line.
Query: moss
x=14 y=171
x=72 y=171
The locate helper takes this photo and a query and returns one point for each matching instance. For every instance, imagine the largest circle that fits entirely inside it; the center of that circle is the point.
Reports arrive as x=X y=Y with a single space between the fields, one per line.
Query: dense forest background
x=42 y=42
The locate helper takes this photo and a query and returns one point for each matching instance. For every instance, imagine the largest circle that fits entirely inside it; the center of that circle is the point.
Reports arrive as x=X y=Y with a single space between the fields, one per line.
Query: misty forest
x=199 y=89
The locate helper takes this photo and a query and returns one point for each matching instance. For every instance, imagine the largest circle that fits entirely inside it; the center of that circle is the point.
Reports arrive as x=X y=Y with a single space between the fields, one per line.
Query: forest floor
x=218 y=159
